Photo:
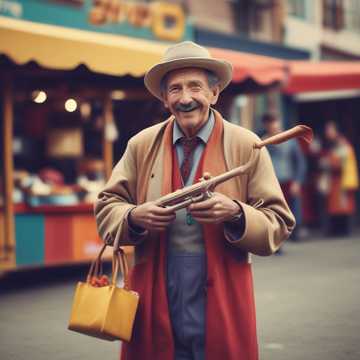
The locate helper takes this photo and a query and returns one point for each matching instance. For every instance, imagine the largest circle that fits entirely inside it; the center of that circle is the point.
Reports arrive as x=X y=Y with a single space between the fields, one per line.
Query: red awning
x=261 y=71
x=305 y=76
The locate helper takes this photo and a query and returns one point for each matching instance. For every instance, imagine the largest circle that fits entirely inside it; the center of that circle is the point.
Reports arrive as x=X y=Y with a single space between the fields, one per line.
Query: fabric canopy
x=306 y=76
x=60 y=48
x=263 y=70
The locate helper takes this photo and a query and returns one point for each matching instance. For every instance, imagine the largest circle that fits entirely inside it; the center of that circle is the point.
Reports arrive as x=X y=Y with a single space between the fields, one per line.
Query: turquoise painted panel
x=29 y=232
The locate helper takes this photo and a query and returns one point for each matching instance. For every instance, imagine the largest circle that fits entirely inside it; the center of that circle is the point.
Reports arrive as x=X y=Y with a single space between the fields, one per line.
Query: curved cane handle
x=302 y=132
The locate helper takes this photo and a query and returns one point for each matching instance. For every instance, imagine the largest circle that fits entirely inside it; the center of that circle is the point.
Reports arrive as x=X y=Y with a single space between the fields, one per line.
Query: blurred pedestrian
x=338 y=180
x=290 y=167
x=192 y=271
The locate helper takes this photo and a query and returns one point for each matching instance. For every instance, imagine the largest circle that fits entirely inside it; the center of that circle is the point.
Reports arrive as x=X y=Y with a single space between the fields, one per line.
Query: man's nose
x=185 y=98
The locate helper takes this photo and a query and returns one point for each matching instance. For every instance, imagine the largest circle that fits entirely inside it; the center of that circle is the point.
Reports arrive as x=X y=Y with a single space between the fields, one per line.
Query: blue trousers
x=186 y=279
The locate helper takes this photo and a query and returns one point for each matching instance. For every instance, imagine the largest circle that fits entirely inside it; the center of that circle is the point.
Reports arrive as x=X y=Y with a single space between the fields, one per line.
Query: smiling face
x=188 y=96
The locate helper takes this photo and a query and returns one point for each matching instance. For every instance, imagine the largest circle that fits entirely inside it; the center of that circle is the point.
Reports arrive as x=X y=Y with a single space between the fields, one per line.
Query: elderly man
x=192 y=269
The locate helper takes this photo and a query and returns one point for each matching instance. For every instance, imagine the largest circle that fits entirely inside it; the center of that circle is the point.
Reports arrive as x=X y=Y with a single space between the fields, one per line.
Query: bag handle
x=119 y=262
x=95 y=264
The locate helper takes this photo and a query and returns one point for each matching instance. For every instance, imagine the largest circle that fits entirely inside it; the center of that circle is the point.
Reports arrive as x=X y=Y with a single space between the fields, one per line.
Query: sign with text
x=150 y=20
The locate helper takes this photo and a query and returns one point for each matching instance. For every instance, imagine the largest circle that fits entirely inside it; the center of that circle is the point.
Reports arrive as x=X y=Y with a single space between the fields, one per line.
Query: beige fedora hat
x=183 y=55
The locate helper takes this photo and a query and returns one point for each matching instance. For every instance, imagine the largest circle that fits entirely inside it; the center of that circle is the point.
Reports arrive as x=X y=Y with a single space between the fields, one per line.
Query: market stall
x=56 y=157
x=58 y=134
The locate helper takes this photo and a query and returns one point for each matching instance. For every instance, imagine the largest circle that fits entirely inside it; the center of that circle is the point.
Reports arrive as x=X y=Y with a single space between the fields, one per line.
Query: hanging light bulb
x=39 y=96
x=118 y=95
x=70 y=105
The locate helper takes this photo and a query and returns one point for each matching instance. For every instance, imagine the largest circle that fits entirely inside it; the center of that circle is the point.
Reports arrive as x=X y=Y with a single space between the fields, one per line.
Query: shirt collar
x=204 y=133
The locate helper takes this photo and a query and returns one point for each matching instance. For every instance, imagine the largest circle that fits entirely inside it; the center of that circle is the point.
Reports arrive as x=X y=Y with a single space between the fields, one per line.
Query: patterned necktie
x=189 y=146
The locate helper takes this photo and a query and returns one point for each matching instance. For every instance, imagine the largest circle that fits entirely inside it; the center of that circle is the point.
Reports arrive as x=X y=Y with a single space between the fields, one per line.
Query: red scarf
x=230 y=312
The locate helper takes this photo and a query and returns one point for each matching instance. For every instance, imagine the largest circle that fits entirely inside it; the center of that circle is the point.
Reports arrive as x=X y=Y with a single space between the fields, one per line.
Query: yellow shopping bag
x=106 y=312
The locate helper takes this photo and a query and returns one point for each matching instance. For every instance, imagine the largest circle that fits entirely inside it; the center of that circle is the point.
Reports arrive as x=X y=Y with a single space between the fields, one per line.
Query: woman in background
x=338 y=180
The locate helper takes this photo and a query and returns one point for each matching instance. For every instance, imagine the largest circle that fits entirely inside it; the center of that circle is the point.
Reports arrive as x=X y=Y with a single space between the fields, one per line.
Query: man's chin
x=190 y=119
x=190 y=114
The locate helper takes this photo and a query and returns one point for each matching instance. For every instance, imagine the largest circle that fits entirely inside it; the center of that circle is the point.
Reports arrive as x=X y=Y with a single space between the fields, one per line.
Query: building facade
x=330 y=29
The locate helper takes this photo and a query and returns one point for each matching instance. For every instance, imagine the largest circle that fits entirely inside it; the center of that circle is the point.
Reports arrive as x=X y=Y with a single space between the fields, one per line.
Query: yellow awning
x=61 y=48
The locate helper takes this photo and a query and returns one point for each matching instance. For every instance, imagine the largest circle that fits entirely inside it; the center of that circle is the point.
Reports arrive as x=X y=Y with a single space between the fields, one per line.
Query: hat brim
x=221 y=68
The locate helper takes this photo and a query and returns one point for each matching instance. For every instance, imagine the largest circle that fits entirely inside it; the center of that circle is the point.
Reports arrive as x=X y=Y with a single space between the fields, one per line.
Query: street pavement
x=308 y=301
x=307 y=308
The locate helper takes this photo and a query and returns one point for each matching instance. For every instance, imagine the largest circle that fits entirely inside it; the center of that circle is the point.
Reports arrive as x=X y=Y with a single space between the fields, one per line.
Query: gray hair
x=211 y=76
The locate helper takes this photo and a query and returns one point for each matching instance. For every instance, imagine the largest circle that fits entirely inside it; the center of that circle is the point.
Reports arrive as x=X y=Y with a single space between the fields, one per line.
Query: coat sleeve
x=269 y=225
x=116 y=200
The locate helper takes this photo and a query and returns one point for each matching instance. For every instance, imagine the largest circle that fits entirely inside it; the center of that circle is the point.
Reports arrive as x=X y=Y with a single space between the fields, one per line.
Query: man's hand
x=219 y=208
x=151 y=217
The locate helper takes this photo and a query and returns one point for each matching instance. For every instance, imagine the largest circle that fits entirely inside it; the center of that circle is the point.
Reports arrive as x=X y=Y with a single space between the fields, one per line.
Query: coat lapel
x=159 y=182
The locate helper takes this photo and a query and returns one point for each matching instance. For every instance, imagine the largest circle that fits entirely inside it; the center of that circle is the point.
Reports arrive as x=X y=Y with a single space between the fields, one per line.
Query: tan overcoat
x=143 y=174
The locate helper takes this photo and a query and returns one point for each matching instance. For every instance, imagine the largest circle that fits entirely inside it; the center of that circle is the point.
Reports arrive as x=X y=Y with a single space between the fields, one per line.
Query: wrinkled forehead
x=185 y=74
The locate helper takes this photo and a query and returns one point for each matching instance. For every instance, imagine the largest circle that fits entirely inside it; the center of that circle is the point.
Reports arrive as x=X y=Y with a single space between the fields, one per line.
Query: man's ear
x=215 y=91
x=164 y=100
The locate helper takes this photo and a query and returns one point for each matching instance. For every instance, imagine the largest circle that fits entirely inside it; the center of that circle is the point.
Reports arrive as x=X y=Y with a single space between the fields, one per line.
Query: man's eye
x=173 y=89
x=196 y=87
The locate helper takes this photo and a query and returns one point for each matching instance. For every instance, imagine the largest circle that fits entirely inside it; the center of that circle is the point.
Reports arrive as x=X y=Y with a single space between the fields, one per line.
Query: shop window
x=249 y=15
x=297 y=8
x=333 y=14
x=352 y=15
